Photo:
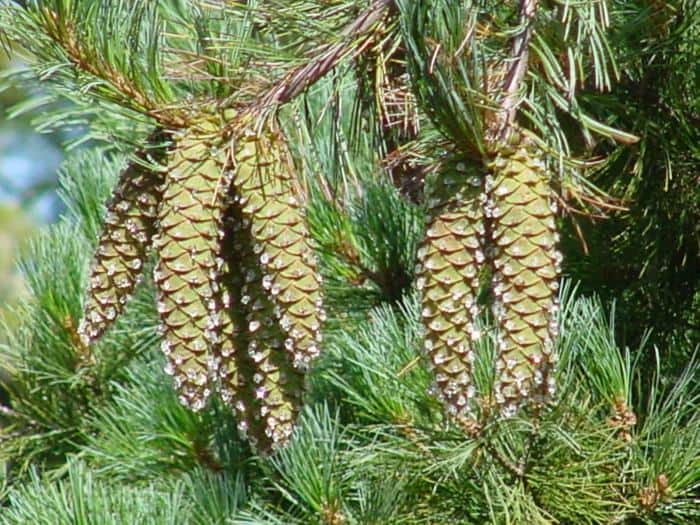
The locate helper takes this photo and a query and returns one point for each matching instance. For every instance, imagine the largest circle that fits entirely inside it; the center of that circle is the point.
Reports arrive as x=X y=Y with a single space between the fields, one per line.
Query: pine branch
x=63 y=32
x=517 y=69
x=359 y=35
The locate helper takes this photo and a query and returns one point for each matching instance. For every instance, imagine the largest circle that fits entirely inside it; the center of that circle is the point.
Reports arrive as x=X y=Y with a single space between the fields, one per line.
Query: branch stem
x=358 y=33
x=517 y=69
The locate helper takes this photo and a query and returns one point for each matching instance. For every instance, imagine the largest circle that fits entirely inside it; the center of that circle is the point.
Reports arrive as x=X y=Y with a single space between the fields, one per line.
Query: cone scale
x=126 y=238
x=448 y=276
x=526 y=266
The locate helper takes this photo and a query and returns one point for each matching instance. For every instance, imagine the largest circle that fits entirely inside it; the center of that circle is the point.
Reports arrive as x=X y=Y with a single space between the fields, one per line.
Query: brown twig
x=298 y=80
x=517 y=69
x=505 y=462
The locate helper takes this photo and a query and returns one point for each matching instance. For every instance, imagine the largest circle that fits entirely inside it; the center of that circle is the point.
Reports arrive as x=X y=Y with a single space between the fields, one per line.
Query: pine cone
x=230 y=362
x=256 y=377
x=268 y=198
x=448 y=277
x=278 y=386
x=526 y=275
x=187 y=246
x=124 y=243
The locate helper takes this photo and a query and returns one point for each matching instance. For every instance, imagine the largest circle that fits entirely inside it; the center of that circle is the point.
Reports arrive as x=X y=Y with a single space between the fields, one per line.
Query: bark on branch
x=358 y=34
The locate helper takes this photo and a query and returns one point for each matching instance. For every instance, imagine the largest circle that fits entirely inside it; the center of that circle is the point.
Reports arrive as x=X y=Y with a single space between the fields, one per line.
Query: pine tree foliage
x=655 y=248
x=246 y=187
x=381 y=420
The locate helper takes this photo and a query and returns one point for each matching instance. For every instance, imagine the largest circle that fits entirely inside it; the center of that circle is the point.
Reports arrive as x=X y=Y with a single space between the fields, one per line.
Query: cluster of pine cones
x=238 y=290
x=239 y=293
x=505 y=221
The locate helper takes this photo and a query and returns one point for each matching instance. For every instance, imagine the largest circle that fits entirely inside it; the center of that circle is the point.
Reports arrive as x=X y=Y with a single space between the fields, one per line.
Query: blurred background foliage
x=647 y=256
x=29 y=161
x=28 y=158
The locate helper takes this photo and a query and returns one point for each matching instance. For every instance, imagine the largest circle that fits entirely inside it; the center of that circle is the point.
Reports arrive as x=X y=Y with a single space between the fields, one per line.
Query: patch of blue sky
x=27 y=161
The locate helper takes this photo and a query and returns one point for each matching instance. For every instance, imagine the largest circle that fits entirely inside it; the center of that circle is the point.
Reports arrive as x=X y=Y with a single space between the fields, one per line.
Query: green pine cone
x=526 y=276
x=256 y=377
x=277 y=385
x=188 y=248
x=123 y=246
x=448 y=276
x=268 y=198
x=231 y=364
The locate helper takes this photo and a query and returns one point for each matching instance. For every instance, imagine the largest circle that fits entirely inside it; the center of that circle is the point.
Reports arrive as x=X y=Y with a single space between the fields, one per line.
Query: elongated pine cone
x=269 y=199
x=526 y=275
x=256 y=377
x=448 y=276
x=124 y=243
x=230 y=363
x=188 y=246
